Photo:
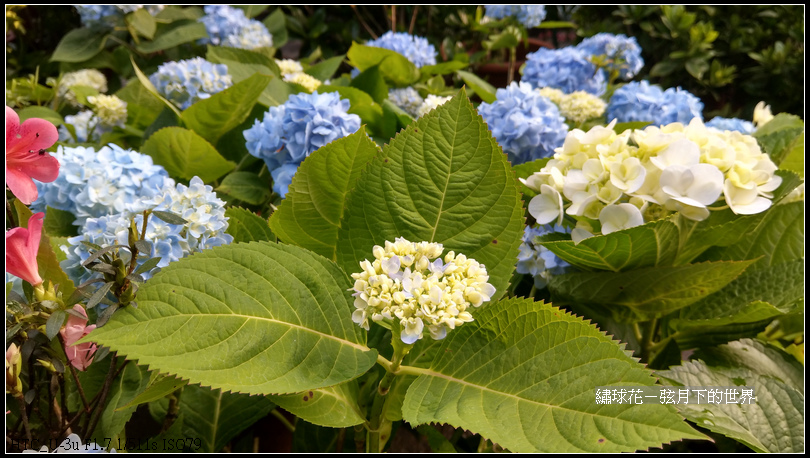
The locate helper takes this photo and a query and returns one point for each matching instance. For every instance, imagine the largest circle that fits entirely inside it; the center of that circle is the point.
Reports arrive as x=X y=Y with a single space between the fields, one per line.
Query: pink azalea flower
x=80 y=356
x=22 y=245
x=26 y=158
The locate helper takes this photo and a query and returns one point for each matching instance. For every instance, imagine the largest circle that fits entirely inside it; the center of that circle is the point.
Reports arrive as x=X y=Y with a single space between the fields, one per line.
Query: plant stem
x=24 y=416
x=102 y=398
x=512 y=59
x=378 y=424
x=647 y=343
x=413 y=20
x=280 y=416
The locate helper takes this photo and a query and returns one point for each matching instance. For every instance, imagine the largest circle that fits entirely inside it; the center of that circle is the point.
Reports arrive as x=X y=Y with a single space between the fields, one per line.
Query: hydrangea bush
x=253 y=229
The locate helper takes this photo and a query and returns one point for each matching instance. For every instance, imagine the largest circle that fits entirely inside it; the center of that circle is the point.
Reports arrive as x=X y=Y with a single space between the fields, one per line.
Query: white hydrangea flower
x=762 y=114
x=431 y=102
x=289 y=66
x=581 y=106
x=553 y=94
x=411 y=283
x=309 y=82
x=89 y=77
x=111 y=110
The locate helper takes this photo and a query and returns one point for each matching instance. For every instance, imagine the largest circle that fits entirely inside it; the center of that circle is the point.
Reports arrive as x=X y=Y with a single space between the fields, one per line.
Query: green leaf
x=371 y=82
x=523 y=374
x=143 y=23
x=310 y=214
x=395 y=67
x=253 y=317
x=211 y=118
x=45 y=113
x=794 y=160
x=443 y=179
x=335 y=406
x=774 y=423
x=174 y=34
x=159 y=387
x=185 y=154
x=651 y=244
x=780 y=136
x=79 y=45
x=142 y=106
x=277 y=92
x=151 y=88
x=556 y=25
x=647 y=292
x=326 y=69
x=59 y=223
x=247 y=187
x=481 y=88
x=169 y=217
x=132 y=381
x=443 y=68
x=631 y=125
x=55 y=323
x=277 y=26
x=246 y=226
x=757 y=356
x=720 y=229
x=215 y=417
x=47 y=261
x=173 y=13
x=242 y=63
x=252 y=11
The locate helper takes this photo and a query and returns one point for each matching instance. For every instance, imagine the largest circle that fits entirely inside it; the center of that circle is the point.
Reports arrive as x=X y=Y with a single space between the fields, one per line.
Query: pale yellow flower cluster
x=110 y=110
x=623 y=180
x=431 y=102
x=410 y=282
x=553 y=94
x=289 y=66
x=87 y=77
x=581 y=106
x=309 y=82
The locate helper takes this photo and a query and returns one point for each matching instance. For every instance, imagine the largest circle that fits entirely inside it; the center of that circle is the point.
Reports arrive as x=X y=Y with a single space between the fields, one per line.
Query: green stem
x=512 y=59
x=379 y=425
x=280 y=416
x=647 y=343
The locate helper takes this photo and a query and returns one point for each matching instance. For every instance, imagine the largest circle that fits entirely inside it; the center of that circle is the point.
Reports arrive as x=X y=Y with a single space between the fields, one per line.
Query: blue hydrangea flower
x=188 y=81
x=537 y=260
x=642 y=101
x=290 y=132
x=107 y=15
x=528 y=15
x=733 y=124
x=527 y=125
x=567 y=69
x=83 y=122
x=197 y=203
x=406 y=98
x=282 y=178
x=228 y=26
x=616 y=47
x=417 y=49
x=91 y=184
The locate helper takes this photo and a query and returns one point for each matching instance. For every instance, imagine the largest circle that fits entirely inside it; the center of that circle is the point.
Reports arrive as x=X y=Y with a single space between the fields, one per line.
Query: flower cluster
x=86 y=127
x=188 y=81
x=289 y=67
x=95 y=183
x=736 y=124
x=89 y=77
x=623 y=52
x=309 y=82
x=417 y=49
x=406 y=98
x=567 y=69
x=107 y=15
x=430 y=103
x=528 y=15
x=580 y=106
x=290 y=132
x=228 y=26
x=410 y=282
x=762 y=114
x=197 y=203
x=111 y=110
x=623 y=180
x=642 y=101
x=526 y=125
x=537 y=260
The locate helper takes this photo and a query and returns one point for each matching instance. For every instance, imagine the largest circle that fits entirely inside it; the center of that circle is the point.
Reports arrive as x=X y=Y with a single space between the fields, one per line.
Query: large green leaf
x=247 y=187
x=142 y=106
x=652 y=244
x=774 y=423
x=524 y=374
x=159 y=387
x=211 y=118
x=646 y=293
x=371 y=82
x=326 y=69
x=185 y=154
x=757 y=356
x=246 y=226
x=781 y=136
x=335 y=406
x=215 y=417
x=79 y=45
x=311 y=212
x=443 y=179
x=255 y=317
x=483 y=89
x=171 y=35
x=45 y=113
x=249 y=62
x=151 y=87
x=395 y=67
x=142 y=22
x=132 y=381
x=59 y=223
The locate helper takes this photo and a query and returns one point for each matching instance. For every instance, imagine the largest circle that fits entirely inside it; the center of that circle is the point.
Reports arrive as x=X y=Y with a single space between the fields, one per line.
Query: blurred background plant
x=730 y=56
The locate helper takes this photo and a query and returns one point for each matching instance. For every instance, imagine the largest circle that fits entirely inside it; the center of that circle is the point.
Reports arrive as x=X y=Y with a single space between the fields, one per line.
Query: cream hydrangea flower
x=553 y=94
x=410 y=282
x=431 y=102
x=89 y=77
x=110 y=110
x=289 y=66
x=762 y=114
x=309 y=82
x=581 y=106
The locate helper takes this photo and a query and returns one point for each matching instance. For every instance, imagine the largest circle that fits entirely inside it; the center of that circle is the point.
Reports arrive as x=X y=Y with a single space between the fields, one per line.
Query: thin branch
x=413 y=20
x=363 y=23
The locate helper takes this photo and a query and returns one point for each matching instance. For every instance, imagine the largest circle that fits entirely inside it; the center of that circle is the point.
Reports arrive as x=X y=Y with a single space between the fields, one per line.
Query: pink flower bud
x=80 y=356
x=22 y=245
